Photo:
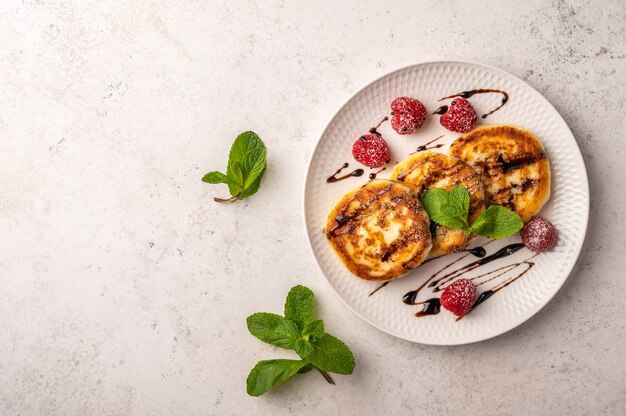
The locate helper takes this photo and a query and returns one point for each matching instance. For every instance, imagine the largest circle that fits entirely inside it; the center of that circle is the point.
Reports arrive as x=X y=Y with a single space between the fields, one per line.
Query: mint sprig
x=297 y=330
x=447 y=208
x=246 y=164
x=451 y=209
x=497 y=222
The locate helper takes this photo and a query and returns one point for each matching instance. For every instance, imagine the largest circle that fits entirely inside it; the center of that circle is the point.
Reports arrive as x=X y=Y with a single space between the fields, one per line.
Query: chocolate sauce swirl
x=373 y=174
x=432 y=306
x=468 y=94
x=425 y=146
x=334 y=178
x=441 y=110
x=374 y=130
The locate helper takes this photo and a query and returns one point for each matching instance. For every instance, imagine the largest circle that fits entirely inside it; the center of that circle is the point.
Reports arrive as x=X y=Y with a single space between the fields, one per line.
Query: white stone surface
x=124 y=288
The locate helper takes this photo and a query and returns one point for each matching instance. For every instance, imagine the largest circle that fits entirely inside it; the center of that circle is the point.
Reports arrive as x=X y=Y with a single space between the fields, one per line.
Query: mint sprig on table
x=451 y=209
x=246 y=164
x=297 y=330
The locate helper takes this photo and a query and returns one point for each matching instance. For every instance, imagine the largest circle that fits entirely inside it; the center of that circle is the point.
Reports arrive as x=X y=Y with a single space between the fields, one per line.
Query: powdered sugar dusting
x=371 y=150
x=409 y=114
x=460 y=117
x=538 y=235
x=459 y=297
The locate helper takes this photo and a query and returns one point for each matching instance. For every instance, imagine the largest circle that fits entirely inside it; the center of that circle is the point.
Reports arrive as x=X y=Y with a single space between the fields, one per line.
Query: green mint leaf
x=303 y=347
x=215 y=177
x=458 y=202
x=253 y=165
x=244 y=143
x=273 y=329
x=247 y=154
x=497 y=222
x=267 y=374
x=313 y=330
x=330 y=354
x=433 y=201
x=288 y=332
x=246 y=164
x=299 y=305
x=235 y=175
x=252 y=189
x=449 y=209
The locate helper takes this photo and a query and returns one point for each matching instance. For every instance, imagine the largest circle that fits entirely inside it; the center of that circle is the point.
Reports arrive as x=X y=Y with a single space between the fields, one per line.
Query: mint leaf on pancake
x=497 y=222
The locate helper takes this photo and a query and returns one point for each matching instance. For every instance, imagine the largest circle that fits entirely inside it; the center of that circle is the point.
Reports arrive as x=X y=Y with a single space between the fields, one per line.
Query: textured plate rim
x=580 y=243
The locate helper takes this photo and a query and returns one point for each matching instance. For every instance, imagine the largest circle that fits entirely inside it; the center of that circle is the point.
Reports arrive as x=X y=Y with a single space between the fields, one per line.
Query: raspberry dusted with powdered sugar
x=460 y=117
x=538 y=235
x=459 y=297
x=371 y=150
x=408 y=115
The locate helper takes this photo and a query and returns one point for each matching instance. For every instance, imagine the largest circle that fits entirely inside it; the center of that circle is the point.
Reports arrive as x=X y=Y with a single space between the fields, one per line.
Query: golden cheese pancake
x=512 y=165
x=425 y=170
x=380 y=230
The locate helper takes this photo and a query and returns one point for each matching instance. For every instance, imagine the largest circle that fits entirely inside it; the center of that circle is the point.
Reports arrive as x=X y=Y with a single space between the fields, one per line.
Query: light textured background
x=124 y=288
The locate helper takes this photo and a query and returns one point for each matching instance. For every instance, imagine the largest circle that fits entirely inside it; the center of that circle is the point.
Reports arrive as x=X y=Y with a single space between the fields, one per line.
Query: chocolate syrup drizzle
x=476 y=251
x=374 y=130
x=426 y=147
x=524 y=160
x=441 y=110
x=432 y=306
x=379 y=287
x=489 y=293
x=333 y=178
x=373 y=174
x=506 y=251
x=438 y=281
x=468 y=94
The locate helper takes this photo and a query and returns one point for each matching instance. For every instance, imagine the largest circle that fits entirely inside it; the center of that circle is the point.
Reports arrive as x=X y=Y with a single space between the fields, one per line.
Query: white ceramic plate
x=568 y=208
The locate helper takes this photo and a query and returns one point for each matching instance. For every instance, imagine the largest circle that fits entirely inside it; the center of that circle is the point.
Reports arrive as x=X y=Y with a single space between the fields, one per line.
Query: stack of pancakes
x=380 y=230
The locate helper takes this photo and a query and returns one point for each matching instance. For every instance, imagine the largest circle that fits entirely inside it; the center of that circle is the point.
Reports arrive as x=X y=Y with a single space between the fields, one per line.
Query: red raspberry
x=459 y=297
x=538 y=235
x=460 y=117
x=408 y=115
x=371 y=150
